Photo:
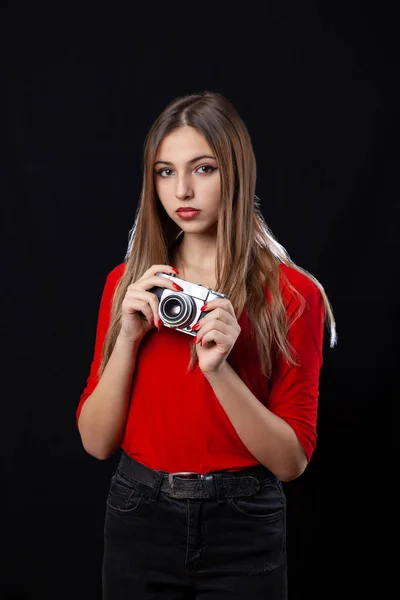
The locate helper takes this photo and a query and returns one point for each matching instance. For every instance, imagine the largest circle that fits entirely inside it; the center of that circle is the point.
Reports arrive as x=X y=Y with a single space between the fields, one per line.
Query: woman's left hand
x=216 y=335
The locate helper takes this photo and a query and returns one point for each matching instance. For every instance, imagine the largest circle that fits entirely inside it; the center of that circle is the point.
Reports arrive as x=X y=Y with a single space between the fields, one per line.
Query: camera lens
x=177 y=310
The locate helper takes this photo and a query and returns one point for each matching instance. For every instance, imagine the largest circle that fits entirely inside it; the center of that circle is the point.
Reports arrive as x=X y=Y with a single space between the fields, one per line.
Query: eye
x=163 y=172
x=209 y=167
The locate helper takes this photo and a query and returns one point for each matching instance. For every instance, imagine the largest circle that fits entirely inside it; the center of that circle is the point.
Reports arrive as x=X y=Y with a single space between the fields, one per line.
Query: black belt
x=218 y=485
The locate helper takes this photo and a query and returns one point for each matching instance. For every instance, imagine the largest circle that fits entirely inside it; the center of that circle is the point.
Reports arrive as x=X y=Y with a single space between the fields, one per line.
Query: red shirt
x=175 y=421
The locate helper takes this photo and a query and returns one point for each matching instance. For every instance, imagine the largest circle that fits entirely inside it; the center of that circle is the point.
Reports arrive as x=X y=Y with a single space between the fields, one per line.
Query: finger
x=167 y=269
x=218 y=315
x=156 y=281
x=217 y=337
x=136 y=305
x=222 y=303
x=149 y=299
x=215 y=325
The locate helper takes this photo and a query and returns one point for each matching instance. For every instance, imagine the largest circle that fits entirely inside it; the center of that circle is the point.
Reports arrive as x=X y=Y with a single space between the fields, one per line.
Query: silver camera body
x=181 y=310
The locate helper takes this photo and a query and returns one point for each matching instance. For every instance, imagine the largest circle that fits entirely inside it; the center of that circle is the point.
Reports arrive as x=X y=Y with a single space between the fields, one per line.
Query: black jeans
x=217 y=537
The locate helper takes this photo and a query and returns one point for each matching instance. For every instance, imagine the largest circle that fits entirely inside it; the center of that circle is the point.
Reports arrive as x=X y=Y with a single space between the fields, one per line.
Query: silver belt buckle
x=182 y=474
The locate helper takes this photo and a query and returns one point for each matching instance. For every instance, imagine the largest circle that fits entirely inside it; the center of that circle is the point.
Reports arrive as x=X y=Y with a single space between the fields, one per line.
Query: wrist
x=124 y=340
x=217 y=373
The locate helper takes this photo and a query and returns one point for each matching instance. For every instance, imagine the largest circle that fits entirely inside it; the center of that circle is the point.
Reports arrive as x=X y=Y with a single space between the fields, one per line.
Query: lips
x=187 y=209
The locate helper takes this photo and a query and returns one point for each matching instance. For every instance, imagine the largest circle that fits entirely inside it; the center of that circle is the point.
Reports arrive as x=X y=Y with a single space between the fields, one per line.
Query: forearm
x=268 y=437
x=103 y=417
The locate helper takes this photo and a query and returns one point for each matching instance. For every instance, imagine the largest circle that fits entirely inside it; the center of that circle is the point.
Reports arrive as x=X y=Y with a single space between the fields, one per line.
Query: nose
x=183 y=187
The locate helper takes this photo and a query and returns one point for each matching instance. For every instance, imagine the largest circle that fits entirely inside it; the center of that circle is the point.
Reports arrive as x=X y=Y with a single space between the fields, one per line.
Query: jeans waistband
x=218 y=485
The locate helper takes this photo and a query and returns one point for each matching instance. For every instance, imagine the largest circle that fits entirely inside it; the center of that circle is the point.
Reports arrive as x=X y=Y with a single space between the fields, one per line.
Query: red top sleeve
x=103 y=322
x=294 y=390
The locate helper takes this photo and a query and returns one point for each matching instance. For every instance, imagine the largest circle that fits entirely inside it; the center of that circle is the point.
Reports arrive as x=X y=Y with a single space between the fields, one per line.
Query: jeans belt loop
x=210 y=486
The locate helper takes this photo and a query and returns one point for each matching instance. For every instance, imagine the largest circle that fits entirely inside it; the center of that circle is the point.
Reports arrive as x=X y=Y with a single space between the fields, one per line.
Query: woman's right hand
x=138 y=300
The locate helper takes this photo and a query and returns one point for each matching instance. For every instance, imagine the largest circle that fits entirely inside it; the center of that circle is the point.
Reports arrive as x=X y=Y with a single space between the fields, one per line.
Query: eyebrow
x=193 y=160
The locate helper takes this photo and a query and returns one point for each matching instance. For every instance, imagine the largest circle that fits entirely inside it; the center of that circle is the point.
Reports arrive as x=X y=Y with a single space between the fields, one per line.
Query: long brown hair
x=245 y=245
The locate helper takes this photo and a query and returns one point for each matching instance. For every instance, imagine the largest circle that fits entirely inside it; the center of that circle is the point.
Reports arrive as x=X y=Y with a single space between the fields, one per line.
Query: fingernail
x=177 y=287
x=204 y=307
x=175 y=271
x=195 y=327
x=195 y=339
x=159 y=324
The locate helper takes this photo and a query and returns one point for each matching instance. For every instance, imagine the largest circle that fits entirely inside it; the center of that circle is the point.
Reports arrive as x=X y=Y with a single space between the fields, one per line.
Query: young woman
x=211 y=422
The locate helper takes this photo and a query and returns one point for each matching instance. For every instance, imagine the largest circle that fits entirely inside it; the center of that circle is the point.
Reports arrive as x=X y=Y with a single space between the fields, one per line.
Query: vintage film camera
x=181 y=310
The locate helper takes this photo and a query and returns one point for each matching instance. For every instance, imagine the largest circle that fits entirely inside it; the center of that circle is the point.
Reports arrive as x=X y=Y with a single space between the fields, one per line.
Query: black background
x=315 y=84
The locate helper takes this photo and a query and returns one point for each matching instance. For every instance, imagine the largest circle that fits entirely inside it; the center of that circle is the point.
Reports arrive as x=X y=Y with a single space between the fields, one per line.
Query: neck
x=197 y=252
